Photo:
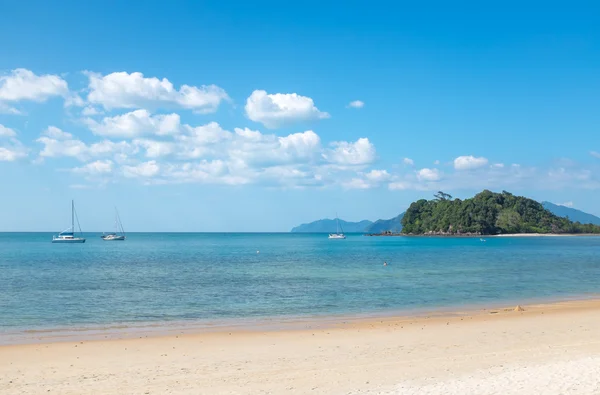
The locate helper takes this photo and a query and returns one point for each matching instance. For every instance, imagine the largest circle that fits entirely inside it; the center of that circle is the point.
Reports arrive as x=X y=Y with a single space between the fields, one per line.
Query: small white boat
x=118 y=234
x=339 y=234
x=68 y=236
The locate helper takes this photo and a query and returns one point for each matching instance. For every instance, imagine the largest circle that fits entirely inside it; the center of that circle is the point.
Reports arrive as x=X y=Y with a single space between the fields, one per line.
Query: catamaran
x=68 y=235
x=119 y=233
x=339 y=234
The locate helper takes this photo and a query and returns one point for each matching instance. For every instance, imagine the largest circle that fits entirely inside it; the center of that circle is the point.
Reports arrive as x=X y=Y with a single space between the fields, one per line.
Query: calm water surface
x=180 y=277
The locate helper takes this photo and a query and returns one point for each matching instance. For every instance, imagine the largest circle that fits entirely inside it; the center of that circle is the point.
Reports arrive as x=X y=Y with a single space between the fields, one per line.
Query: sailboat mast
x=73 y=216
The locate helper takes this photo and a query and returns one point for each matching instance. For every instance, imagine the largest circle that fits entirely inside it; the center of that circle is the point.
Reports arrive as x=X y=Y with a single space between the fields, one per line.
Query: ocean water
x=173 y=277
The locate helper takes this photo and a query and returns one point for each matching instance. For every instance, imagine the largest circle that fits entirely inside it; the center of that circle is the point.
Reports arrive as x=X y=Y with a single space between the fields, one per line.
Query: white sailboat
x=119 y=233
x=339 y=234
x=68 y=235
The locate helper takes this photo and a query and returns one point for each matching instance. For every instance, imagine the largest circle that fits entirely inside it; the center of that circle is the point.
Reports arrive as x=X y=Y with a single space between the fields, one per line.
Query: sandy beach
x=546 y=349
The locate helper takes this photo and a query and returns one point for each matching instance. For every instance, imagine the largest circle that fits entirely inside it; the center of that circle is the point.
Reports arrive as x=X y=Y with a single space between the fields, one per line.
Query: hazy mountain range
x=395 y=224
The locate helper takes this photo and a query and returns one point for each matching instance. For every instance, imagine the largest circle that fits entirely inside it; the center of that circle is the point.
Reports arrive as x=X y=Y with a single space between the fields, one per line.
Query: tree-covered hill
x=487 y=213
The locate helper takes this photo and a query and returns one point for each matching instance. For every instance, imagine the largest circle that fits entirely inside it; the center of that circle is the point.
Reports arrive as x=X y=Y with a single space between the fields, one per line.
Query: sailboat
x=68 y=235
x=339 y=234
x=119 y=233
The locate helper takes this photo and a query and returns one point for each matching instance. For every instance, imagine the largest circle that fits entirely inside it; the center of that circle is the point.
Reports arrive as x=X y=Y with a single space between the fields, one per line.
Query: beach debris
x=519 y=308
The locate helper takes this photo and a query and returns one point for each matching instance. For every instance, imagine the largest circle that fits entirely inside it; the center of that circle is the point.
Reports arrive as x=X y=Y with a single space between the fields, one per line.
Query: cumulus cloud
x=95 y=168
x=426 y=174
x=90 y=111
x=11 y=148
x=360 y=152
x=6 y=109
x=23 y=84
x=371 y=179
x=156 y=149
x=469 y=162
x=134 y=124
x=10 y=155
x=260 y=149
x=143 y=170
x=56 y=133
x=125 y=90
x=6 y=132
x=210 y=133
x=356 y=104
x=275 y=110
x=408 y=162
x=57 y=143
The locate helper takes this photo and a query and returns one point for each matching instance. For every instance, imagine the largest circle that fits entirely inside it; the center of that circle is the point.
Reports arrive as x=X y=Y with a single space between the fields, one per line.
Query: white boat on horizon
x=118 y=234
x=339 y=234
x=67 y=236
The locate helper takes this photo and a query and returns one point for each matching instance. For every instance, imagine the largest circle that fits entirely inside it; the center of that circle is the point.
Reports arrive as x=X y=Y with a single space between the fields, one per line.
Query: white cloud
x=399 y=186
x=11 y=149
x=7 y=132
x=207 y=172
x=595 y=154
x=408 y=162
x=344 y=153
x=469 y=162
x=55 y=133
x=429 y=175
x=23 y=84
x=156 y=149
x=90 y=111
x=95 y=168
x=260 y=149
x=143 y=170
x=210 y=133
x=107 y=147
x=378 y=176
x=6 y=109
x=357 y=183
x=134 y=124
x=58 y=143
x=124 y=90
x=275 y=110
x=54 y=148
x=356 y=104
x=497 y=166
x=74 y=100
x=10 y=155
x=371 y=179
x=436 y=162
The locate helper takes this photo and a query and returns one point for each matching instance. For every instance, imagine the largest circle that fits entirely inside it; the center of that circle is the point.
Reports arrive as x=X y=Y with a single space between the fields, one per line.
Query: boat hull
x=68 y=241
x=337 y=236
x=114 y=238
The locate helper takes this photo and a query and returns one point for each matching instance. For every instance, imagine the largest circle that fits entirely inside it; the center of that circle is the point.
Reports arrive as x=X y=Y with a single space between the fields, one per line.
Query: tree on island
x=487 y=213
x=442 y=196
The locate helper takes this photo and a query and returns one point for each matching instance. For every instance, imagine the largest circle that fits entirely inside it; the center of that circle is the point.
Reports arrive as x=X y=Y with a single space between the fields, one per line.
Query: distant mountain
x=573 y=214
x=329 y=226
x=382 y=225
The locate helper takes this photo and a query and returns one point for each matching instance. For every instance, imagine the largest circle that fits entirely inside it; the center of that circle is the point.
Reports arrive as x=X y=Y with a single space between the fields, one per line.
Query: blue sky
x=199 y=116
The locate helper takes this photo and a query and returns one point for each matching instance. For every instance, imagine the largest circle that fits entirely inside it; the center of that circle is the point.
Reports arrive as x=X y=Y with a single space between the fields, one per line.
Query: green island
x=487 y=213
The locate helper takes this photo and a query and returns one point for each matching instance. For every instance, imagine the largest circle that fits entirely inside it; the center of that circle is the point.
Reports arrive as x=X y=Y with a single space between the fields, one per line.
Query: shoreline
x=482 y=236
x=151 y=329
x=547 y=348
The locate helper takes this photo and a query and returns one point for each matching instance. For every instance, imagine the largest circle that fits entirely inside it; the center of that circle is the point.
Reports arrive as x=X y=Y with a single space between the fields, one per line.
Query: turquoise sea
x=175 y=277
